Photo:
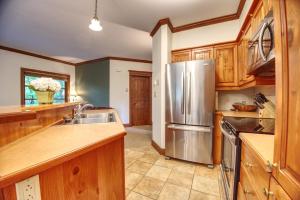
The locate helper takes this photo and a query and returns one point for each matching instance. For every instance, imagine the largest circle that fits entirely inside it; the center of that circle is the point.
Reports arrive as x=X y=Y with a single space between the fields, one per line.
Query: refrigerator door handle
x=190 y=128
x=182 y=96
x=190 y=92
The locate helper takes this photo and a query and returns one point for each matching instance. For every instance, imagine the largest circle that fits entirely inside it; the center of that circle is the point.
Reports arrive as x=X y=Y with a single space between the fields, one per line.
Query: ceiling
x=59 y=28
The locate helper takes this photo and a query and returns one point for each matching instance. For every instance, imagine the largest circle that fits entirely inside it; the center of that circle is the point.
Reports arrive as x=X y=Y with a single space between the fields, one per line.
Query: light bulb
x=95 y=25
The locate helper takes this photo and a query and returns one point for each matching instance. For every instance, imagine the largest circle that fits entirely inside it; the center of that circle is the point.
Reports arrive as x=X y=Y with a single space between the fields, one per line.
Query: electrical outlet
x=29 y=189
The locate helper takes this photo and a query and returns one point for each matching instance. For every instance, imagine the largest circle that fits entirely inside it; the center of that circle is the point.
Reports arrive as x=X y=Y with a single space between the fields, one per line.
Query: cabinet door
x=276 y=192
x=287 y=132
x=226 y=65
x=202 y=54
x=180 y=56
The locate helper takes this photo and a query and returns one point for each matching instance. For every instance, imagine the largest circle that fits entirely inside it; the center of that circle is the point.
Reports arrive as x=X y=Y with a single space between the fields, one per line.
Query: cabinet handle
x=247 y=192
x=247 y=164
x=268 y=192
x=271 y=166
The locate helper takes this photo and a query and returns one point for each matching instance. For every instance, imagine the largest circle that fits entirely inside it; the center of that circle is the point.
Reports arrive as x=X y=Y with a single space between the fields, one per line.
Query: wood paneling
x=95 y=175
x=276 y=191
x=111 y=171
x=226 y=65
x=217 y=149
x=180 y=56
x=287 y=135
x=140 y=104
x=12 y=131
x=202 y=54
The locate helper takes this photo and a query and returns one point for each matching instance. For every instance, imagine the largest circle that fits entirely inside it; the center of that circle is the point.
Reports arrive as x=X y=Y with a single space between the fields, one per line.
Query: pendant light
x=95 y=23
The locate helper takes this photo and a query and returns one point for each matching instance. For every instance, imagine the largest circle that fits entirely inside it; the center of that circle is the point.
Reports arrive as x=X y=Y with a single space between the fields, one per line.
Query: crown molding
x=34 y=55
x=198 y=24
x=113 y=58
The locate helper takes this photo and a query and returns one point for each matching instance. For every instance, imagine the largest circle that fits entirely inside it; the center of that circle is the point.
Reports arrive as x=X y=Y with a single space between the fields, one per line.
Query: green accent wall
x=92 y=83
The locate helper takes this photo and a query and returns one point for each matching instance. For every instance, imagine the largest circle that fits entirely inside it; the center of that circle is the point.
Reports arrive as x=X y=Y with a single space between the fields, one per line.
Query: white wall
x=10 y=65
x=161 y=50
x=119 y=85
x=215 y=33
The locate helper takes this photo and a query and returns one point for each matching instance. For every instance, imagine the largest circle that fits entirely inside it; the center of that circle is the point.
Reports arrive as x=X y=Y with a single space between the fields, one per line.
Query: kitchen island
x=80 y=161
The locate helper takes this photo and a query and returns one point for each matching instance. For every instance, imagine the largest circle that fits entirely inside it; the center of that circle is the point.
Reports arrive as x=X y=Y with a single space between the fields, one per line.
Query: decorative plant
x=45 y=84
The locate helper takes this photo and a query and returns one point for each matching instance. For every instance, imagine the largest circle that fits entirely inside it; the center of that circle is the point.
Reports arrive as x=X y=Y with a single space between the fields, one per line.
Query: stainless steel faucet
x=80 y=109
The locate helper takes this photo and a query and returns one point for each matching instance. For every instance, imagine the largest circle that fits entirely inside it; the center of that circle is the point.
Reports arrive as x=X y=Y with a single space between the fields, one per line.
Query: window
x=28 y=96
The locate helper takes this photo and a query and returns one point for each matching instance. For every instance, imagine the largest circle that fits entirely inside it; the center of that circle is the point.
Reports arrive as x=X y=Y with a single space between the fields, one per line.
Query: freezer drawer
x=190 y=143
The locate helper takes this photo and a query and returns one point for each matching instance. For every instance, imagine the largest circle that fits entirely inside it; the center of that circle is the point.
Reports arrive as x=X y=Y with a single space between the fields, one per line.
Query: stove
x=231 y=148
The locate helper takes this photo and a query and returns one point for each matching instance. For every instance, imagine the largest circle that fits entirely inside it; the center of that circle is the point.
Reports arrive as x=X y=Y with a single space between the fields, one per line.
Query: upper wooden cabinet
x=226 y=65
x=180 y=56
x=202 y=53
x=287 y=130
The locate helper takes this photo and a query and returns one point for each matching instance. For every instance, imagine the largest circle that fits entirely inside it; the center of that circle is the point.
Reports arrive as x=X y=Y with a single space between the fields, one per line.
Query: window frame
x=40 y=73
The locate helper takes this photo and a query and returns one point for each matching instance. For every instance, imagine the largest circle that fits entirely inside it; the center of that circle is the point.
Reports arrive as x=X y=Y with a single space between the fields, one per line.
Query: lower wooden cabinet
x=240 y=195
x=276 y=192
x=217 y=145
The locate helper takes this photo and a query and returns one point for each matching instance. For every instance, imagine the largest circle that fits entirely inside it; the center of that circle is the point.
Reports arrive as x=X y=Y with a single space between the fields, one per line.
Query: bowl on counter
x=244 y=107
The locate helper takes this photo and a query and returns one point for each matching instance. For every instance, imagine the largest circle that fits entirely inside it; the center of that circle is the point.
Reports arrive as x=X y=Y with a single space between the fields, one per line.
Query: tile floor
x=150 y=176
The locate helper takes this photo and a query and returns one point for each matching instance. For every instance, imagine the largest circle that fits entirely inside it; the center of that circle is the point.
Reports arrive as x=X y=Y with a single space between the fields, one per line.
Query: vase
x=45 y=97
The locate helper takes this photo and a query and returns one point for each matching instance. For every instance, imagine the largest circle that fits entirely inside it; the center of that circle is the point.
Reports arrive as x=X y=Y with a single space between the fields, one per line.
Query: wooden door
x=202 y=54
x=287 y=130
x=140 y=98
x=226 y=65
x=182 y=55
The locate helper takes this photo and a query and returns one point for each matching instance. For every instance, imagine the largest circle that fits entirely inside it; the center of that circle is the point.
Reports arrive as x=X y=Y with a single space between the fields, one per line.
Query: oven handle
x=260 y=41
x=232 y=139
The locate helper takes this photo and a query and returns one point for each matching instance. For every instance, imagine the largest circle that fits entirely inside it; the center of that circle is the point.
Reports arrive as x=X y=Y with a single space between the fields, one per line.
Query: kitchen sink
x=92 y=118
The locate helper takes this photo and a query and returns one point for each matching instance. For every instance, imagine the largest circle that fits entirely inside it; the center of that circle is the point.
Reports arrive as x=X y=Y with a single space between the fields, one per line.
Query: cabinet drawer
x=240 y=195
x=247 y=189
x=258 y=175
x=276 y=192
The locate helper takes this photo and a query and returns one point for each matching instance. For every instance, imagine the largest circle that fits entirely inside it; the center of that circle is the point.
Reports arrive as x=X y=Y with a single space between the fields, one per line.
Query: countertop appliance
x=190 y=103
x=261 y=49
x=231 y=148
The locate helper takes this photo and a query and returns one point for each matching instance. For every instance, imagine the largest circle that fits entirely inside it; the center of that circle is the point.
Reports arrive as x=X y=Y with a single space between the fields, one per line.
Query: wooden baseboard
x=127 y=125
x=157 y=148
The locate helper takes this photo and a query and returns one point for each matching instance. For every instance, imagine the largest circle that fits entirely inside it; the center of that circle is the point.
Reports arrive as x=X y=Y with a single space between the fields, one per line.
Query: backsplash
x=225 y=99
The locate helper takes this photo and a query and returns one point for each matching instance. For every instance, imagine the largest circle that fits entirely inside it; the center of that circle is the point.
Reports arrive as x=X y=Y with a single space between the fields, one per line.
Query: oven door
x=229 y=163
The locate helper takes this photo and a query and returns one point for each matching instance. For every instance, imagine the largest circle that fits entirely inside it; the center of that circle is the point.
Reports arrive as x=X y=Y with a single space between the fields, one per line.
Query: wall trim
x=34 y=55
x=113 y=58
x=201 y=23
x=157 y=148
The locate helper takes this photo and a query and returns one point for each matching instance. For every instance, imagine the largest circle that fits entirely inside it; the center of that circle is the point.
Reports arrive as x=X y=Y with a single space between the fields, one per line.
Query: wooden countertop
x=238 y=114
x=262 y=144
x=21 y=113
x=52 y=146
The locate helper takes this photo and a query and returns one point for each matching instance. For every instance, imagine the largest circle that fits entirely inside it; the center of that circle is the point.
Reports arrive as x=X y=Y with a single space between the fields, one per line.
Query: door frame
x=143 y=74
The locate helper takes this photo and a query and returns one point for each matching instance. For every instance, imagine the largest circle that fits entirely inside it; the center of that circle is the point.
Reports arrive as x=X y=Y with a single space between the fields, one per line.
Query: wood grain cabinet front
x=276 y=192
x=181 y=56
x=226 y=65
x=202 y=53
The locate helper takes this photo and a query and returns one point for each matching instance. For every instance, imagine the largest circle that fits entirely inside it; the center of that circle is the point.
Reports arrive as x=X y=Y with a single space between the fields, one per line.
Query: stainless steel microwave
x=261 y=51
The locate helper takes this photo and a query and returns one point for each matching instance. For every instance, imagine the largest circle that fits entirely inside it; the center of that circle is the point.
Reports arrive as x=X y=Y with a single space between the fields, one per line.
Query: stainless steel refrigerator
x=190 y=105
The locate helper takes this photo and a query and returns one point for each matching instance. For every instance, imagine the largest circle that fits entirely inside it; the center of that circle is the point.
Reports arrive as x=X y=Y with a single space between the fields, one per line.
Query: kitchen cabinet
x=182 y=55
x=276 y=192
x=202 y=53
x=287 y=134
x=226 y=65
x=217 y=147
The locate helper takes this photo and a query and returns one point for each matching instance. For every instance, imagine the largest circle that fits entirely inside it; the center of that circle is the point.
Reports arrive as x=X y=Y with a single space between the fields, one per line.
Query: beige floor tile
x=206 y=185
x=132 y=179
x=134 y=154
x=149 y=187
x=195 y=195
x=149 y=157
x=136 y=196
x=173 y=192
x=186 y=168
x=129 y=162
x=158 y=172
x=139 y=167
x=168 y=163
x=181 y=178
x=203 y=170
